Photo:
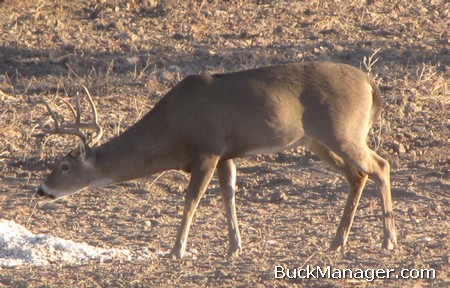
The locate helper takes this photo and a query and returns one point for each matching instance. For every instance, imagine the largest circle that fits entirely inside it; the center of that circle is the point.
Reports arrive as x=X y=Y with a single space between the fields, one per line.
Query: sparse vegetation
x=129 y=53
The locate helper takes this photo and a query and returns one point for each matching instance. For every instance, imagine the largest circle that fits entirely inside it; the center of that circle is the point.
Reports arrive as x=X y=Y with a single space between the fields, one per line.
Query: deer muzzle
x=41 y=192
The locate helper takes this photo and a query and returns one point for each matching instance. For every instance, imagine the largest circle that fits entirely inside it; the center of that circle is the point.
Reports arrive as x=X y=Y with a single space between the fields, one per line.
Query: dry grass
x=129 y=53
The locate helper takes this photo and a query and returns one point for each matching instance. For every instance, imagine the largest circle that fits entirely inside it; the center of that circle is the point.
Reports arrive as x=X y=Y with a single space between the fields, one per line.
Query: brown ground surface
x=129 y=53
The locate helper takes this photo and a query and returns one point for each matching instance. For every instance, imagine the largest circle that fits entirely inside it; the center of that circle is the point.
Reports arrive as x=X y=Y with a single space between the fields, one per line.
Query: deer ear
x=82 y=151
x=86 y=154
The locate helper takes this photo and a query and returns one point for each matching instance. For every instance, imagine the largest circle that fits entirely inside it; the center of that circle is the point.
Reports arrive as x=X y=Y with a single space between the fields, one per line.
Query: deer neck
x=141 y=151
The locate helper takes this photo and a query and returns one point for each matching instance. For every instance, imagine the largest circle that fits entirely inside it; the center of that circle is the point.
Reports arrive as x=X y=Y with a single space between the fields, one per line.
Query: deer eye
x=64 y=167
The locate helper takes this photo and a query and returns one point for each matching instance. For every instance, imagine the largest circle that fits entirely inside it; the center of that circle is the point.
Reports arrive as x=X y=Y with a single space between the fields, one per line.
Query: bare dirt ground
x=129 y=53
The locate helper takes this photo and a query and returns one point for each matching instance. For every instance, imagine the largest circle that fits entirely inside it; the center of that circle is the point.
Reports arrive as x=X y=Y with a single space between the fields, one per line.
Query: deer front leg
x=227 y=179
x=202 y=171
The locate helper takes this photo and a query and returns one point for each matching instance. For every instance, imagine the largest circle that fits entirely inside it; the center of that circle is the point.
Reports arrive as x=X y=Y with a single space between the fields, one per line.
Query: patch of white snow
x=19 y=246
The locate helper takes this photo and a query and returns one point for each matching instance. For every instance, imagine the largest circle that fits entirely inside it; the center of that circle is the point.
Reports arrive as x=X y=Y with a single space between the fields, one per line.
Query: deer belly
x=278 y=147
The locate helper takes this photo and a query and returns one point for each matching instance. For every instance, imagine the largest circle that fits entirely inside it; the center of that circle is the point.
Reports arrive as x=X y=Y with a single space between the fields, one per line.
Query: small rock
x=174 y=68
x=399 y=147
x=426 y=239
x=121 y=36
x=414 y=220
x=436 y=207
x=412 y=108
x=210 y=201
x=154 y=222
x=278 y=30
x=132 y=60
x=278 y=197
x=149 y=3
x=412 y=210
x=134 y=37
x=221 y=274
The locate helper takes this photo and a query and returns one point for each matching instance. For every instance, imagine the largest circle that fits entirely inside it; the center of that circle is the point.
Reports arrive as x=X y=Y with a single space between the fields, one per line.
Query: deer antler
x=75 y=128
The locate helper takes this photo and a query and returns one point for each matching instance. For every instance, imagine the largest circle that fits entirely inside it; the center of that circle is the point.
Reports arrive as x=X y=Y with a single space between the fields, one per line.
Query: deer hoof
x=234 y=252
x=336 y=245
x=176 y=253
x=389 y=244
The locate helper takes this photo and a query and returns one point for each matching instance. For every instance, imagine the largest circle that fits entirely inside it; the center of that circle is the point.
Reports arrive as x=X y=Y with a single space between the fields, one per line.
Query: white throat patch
x=102 y=182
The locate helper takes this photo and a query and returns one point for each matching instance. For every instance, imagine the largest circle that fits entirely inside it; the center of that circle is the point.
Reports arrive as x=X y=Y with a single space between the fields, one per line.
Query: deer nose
x=41 y=192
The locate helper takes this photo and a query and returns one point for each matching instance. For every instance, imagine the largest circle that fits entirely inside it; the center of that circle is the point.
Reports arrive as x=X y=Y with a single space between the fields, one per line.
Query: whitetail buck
x=206 y=121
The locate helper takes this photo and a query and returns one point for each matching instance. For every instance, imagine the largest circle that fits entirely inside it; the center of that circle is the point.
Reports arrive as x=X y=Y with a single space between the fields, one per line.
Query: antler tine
x=78 y=109
x=75 y=128
x=60 y=129
x=55 y=119
x=94 y=123
x=70 y=108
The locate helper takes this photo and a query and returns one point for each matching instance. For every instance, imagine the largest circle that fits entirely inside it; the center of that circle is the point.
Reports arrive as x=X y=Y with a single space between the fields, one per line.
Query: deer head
x=73 y=172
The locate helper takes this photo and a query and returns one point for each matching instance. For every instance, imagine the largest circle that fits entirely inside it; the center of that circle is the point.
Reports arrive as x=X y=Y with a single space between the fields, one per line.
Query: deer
x=206 y=121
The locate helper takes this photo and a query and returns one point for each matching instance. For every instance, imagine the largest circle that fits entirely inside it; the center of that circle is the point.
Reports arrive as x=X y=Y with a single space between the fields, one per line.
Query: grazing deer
x=206 y=121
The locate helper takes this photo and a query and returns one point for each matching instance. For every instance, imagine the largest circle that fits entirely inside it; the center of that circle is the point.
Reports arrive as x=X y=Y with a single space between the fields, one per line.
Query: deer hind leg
x=227 y=179
x=368 y=162
x=379 y=171
x=356 y=180
x=202 y=171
